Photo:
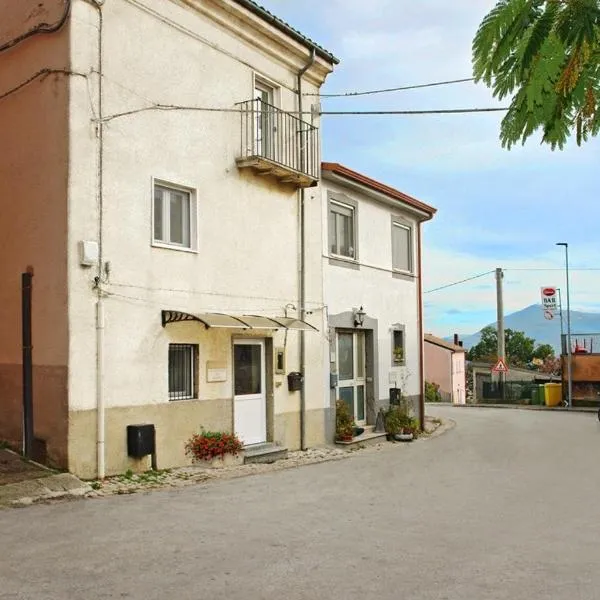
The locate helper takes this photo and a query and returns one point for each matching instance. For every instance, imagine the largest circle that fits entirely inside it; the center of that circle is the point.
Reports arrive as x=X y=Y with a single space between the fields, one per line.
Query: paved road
x=505 y=506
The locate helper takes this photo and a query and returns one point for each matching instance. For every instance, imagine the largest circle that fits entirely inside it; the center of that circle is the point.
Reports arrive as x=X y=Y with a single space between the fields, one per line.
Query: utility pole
x=500 y=322
x=565 y=245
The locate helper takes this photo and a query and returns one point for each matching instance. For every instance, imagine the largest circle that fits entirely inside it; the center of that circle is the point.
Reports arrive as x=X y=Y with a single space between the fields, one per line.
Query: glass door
x=264 y=120
x=351 y=372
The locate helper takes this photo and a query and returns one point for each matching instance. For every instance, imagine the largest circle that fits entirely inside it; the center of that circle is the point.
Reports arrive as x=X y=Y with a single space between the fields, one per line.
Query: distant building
x=445 y=366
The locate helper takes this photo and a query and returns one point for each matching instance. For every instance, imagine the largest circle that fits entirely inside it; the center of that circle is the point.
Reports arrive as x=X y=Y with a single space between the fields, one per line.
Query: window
x=342 y=237
x=401 y=247
x=174 y=212
x=182 y=371
x=398 y=346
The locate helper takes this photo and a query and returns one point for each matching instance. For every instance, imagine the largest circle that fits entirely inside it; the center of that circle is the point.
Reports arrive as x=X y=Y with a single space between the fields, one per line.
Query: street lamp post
x=569 y=347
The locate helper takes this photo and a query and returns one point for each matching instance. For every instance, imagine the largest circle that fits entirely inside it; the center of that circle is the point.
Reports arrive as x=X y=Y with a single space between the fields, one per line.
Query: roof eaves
x=382 y=188
x=432 y=339
x=286 y=28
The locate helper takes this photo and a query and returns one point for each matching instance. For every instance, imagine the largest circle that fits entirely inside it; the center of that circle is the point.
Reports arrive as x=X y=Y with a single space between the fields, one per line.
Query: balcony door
x=351 y=372
x=264 y=120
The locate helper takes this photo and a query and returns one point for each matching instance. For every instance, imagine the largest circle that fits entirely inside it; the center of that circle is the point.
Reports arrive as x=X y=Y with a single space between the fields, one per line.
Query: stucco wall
x=385 y=298
x=33 y=224
x=438 y=367
x=459 y=394
x=248 y=241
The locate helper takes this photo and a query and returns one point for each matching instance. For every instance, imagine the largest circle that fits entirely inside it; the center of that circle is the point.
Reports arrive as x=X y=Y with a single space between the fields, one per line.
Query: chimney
x=456 y=339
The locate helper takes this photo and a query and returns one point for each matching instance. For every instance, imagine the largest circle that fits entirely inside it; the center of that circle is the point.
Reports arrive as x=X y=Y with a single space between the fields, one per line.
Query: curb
x=52 y=487
x=562 y=409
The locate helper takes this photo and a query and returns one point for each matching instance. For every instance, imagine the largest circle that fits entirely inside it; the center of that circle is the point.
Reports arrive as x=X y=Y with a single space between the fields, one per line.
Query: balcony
x=278 y=144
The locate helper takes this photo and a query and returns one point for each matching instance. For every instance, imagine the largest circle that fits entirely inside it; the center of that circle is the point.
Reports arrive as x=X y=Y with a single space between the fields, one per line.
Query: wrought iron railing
x=280 y=137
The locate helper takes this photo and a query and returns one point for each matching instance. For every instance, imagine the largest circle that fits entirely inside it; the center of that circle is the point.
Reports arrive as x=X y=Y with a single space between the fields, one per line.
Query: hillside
x=531 y=321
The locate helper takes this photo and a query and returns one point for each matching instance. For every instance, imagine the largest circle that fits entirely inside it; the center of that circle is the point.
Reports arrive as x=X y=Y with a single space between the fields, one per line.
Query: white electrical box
x=88 y=253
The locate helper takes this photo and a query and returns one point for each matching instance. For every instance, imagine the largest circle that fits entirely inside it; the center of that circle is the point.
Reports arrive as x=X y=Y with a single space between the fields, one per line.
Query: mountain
x=531 y=321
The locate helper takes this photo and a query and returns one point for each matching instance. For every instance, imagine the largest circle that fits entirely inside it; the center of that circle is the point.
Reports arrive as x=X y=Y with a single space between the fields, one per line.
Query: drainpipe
x=302 y=199
x=420 y=326
x=100 y=400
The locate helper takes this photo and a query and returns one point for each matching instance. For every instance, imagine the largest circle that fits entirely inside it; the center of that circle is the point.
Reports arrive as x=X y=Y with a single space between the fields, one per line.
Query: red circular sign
x=549 y=291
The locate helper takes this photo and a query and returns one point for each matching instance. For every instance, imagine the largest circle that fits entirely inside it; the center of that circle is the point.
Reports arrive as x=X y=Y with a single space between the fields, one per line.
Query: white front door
x=351 y=372
x=250 y=401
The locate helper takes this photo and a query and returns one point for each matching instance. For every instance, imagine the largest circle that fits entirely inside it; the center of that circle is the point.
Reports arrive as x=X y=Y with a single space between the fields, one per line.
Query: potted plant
x=215 y=449
x=344 y=422
x=399 y=426
x=398 y=355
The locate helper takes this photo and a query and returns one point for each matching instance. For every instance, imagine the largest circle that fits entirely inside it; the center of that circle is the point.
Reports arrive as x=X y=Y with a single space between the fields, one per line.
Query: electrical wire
x=557 y=269
x=443 y=287
x=42 y=74
x=39 y=28
x=449 y=111
x=316 y=305
x=394 y=89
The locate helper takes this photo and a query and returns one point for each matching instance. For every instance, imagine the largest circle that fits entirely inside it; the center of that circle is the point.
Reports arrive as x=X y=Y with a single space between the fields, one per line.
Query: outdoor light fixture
x=359 y=317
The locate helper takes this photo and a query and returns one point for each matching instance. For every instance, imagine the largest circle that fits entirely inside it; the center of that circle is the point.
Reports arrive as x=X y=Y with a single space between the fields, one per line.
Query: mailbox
x=295 y=381
x=141 y=440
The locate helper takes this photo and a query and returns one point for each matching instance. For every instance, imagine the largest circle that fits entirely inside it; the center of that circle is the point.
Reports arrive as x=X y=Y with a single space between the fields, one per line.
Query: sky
x=496 y=208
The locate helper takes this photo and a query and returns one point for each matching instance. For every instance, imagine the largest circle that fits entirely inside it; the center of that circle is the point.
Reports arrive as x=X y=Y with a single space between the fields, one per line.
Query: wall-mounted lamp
x=359 y=317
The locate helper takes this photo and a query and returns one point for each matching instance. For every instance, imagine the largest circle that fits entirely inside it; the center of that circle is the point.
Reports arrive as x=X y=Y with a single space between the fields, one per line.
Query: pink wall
x=438 y=366
x=33 y=221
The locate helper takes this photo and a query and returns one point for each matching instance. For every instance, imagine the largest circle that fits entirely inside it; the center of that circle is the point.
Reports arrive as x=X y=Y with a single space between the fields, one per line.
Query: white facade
x=367 y=278
x=164 y=115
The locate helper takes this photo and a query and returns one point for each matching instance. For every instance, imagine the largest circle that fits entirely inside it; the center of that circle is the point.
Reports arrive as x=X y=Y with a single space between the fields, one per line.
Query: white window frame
x=193 y=216
x=411 y=260
x=175 y=396
x=352 y=210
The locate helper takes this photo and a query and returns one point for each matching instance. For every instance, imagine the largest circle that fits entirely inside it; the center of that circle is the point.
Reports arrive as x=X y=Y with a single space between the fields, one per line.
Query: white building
x=372 y=289
x=154 y=172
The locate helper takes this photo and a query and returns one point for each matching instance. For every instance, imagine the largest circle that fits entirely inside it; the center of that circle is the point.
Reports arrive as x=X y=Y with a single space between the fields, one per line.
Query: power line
x=42 y=74
x=443 y=287
x=557 y=269
x=39 y=28
x=394 y=89
x=448 y=111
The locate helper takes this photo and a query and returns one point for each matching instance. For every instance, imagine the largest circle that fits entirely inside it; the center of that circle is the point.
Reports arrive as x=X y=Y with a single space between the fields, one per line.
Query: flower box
x=220 y=462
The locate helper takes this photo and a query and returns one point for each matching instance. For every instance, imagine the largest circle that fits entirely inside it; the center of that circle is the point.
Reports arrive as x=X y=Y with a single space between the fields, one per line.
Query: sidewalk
x=23 y=482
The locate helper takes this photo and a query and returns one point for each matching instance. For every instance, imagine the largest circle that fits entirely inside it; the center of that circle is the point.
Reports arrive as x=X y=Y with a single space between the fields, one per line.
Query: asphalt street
x=504 y=506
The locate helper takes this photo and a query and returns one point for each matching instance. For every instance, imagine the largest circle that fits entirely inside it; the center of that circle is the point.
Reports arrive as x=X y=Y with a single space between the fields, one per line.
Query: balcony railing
x=278 y=143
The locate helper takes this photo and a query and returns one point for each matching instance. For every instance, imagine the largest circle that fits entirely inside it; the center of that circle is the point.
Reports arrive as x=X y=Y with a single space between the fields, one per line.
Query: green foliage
x=545 y=55
x=397 y=419
x=543 y=351
x=344 y=421
x=520 y=349
x=432 y=392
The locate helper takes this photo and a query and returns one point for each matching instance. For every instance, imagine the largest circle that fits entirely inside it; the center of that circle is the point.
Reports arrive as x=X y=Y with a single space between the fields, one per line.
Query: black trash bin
x=295 y=381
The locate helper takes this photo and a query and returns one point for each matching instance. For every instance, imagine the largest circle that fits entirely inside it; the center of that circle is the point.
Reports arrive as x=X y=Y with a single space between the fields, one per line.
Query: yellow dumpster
x=553 y=394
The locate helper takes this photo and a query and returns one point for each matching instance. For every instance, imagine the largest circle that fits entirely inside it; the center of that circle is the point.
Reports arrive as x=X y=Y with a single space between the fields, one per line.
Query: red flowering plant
x=212 y=444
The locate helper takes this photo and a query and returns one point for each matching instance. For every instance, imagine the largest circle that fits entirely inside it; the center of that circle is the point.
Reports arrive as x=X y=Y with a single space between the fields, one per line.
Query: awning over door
x=223 y=320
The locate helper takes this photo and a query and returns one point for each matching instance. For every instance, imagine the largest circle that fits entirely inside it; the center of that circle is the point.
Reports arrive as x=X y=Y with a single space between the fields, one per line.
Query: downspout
x=100 y=400
x=302 y=199
x=420 y=327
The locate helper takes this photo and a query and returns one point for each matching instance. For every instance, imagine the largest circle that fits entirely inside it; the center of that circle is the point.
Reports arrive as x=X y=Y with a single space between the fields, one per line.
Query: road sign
x=500 y=366
x=549 y=301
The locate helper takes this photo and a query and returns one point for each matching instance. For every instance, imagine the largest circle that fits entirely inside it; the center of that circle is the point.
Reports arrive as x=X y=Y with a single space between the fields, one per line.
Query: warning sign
x=500 y=366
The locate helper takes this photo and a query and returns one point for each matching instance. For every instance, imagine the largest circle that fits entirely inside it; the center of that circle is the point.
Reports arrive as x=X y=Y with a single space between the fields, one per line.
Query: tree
x=543 y=351
x=520 y=349
x=545 y=54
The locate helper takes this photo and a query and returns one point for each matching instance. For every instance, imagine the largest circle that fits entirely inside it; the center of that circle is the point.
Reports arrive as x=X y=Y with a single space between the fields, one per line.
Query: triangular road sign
x=500 y=366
